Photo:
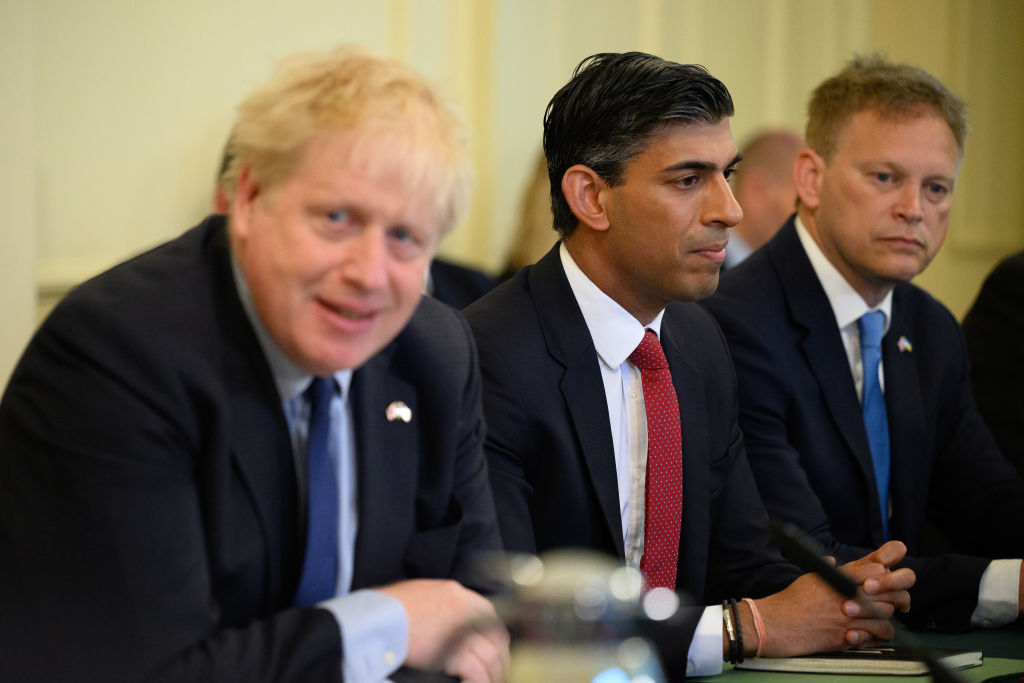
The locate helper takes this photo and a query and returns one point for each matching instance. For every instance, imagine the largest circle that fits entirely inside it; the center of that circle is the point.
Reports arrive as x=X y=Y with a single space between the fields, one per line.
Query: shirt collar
x=291 y=380
x=616 y=333
x=847 y=304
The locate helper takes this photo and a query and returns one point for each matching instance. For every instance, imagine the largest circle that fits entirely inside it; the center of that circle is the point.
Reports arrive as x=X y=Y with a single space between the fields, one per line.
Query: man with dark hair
x=609 y=399
x=854 y=390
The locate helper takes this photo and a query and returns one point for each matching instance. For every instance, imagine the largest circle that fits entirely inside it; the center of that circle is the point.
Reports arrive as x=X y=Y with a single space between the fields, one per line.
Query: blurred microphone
x=809 y=555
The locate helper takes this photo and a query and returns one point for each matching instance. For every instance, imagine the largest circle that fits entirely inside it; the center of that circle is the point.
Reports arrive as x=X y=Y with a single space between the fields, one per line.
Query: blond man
x=178 y=503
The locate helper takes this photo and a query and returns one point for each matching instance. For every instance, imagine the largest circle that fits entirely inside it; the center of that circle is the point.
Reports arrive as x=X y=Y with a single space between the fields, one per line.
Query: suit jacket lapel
x=569 y=343
x=261 y=444
x=386 y=460
x=693 y=418
x=266 y=465
x=822 y=343
x=906 y=412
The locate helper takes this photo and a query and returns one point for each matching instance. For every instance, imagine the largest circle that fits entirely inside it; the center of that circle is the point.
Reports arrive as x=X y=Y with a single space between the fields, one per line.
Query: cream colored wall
x=17 y=181
x=134 y=101
x=120 y=108
x=975 y=47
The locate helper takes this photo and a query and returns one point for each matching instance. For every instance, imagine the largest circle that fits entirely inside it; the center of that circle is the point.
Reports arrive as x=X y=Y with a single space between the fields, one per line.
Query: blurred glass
x=574 y=616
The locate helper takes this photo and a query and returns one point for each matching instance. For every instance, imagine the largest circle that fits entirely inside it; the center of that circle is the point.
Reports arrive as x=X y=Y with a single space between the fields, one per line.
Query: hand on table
x=452 y=629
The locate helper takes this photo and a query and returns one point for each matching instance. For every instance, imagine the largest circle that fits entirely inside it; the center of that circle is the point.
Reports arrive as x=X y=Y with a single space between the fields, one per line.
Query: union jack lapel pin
x=397 y=410
x=904 y=345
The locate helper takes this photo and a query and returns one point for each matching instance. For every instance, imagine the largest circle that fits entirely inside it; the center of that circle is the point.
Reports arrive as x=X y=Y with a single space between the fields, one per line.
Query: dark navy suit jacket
x=994 y=328
x=549 y=443
x=807 y=444
x=457 y=285
x=149 y=525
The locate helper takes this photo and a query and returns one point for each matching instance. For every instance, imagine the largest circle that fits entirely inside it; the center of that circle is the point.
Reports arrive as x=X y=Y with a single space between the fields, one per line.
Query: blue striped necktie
x=320 y=565
x=871 y=325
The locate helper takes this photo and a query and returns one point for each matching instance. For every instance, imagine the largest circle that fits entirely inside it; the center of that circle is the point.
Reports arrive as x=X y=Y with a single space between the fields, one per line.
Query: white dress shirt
x=1000 y=584
x=616 y=334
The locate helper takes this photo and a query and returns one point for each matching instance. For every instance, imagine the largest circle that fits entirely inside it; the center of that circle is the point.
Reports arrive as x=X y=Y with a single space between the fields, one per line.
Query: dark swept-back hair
x=614 y=103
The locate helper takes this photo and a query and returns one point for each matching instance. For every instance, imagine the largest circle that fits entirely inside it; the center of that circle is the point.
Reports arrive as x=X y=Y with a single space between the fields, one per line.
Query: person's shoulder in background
x=992 y=328
x=456 y=285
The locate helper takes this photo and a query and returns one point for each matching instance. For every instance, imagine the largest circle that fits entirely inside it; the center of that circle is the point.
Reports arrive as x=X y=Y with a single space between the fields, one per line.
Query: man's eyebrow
x=697 y=165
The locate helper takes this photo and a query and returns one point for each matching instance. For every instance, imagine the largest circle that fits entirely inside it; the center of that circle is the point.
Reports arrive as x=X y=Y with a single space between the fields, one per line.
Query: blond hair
x=388 y=107
x=892 y=90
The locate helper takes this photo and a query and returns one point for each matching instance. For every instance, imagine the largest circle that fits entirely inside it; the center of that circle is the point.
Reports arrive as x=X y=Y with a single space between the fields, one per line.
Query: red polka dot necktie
x=663 y=503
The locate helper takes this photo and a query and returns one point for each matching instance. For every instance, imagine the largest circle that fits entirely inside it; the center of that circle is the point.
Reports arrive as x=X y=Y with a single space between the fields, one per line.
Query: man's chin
x=903 y=272
x=327 y=362
x=702 y=289
x=333 y=350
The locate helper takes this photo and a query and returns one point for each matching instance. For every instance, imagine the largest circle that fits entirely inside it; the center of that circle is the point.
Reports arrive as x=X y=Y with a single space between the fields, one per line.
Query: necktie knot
x=319 y=393
x=871 y=325
x=649 y=355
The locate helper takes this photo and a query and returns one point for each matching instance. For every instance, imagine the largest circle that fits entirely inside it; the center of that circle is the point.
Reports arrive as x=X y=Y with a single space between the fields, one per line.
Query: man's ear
x=582 y=188
x=247 y=191
x=808 y=171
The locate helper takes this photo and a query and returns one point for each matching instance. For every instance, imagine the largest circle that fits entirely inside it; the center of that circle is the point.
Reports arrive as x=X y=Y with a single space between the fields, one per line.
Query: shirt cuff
x=705 y=655
x=374 y=634
x=998 y=594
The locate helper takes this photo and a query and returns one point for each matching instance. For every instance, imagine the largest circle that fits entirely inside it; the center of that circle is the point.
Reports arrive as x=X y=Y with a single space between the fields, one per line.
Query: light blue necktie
x=876 y=422
x=320 y=565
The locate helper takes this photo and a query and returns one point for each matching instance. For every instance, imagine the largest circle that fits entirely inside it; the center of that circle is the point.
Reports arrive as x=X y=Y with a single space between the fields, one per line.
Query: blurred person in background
x=994 y=328
x=763 y=186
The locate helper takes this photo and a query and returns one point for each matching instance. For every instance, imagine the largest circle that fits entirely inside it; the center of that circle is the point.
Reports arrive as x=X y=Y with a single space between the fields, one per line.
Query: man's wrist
x=751 y=640
x=747 y=630
x=759 y=630
x=374 y=631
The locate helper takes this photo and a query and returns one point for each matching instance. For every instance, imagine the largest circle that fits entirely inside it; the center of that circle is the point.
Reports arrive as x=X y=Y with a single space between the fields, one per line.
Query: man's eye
x=883 y=177
x=339 y=216
x=730 y=173
x=938 y=191
x=405 y=244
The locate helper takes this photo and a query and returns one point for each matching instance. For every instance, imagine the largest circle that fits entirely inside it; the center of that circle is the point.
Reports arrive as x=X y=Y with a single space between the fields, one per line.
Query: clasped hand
x=809 y=616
